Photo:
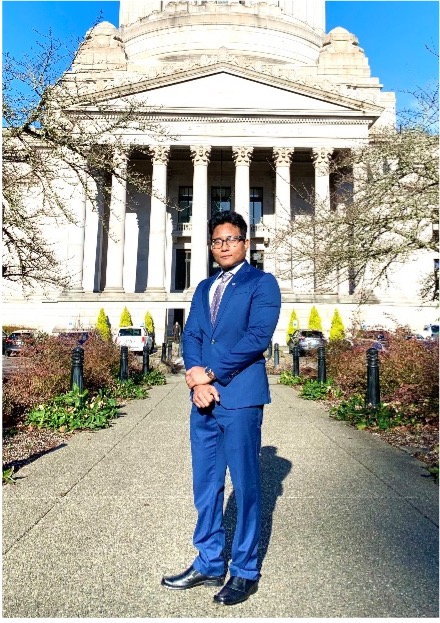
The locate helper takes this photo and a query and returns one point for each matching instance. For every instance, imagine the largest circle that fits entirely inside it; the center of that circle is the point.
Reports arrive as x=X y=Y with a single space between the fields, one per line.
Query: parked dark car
x=4 y=338
x=379 y=336
x=306 y=340
x=17 y=341
x=80 y=337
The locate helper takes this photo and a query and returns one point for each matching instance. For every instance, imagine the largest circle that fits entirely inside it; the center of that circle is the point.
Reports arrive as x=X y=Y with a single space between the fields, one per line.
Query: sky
x=393 y=33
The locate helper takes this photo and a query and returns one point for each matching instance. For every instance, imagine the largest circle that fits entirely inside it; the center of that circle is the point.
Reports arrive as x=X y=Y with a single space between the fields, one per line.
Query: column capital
x=159 y=153
x=242 y=155
x=321 y=157
x=282 y=155
x=120 y=157
x=200 y=154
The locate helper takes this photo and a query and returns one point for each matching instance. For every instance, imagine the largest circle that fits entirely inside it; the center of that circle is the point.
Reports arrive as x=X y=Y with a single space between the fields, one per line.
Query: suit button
x=212 y=341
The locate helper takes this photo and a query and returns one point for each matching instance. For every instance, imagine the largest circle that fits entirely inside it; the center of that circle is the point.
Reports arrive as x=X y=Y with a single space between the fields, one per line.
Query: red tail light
x=143 y=339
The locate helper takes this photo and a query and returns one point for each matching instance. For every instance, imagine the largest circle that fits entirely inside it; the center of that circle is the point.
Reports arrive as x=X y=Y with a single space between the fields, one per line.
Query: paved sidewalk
x=350 y=524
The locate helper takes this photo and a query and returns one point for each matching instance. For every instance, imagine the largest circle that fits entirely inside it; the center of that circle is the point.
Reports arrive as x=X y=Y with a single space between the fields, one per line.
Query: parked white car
x=135 y=338
x=431 y=331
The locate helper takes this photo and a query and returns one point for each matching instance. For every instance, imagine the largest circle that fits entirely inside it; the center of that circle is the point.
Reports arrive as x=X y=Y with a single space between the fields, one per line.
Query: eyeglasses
x=230 y=241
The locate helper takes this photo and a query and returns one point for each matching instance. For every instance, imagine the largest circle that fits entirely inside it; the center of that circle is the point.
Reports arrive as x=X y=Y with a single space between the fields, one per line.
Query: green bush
x=356 y=412
x=74 y=410
x=125 y=320
x=315 y=390
x=155 y=377
x=103 y=326
x=45 y=372
x=337 y=331
x=287 y=378
x=408 y=372
x=129 y=389
x=293 y=325
x=148 y=322
x=315 y=320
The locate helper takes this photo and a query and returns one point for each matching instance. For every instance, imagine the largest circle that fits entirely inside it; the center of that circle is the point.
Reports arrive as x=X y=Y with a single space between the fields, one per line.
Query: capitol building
x=257 y=99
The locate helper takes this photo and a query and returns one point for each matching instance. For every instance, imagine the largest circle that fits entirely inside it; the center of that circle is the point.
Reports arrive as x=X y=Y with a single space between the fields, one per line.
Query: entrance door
x=182 y=272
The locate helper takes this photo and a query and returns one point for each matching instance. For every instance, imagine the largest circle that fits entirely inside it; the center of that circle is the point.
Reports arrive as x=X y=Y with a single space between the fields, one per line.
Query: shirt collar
x=234 y=270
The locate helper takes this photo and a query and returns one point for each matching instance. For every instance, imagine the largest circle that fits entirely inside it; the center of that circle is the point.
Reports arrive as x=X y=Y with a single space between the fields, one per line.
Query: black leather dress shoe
x=236 y=590
x=190 y=578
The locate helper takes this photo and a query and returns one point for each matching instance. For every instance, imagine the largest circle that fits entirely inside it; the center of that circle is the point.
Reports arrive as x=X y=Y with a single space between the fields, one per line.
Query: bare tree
x=383 y=209
x=58 y=132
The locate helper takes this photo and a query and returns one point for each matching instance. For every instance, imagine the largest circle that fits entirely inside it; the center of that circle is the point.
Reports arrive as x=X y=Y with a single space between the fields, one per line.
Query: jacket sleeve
x=263 y=317
x=192 y=337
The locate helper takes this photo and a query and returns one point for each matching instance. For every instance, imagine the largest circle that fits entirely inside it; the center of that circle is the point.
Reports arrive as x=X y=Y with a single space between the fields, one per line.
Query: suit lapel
x=205 y=298
x=234 y=281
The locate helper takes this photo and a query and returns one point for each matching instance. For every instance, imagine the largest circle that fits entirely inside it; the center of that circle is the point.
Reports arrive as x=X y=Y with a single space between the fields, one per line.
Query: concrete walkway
x=350 y=524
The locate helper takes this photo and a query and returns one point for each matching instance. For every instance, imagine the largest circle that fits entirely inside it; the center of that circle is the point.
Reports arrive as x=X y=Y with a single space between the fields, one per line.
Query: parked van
x=135 y=338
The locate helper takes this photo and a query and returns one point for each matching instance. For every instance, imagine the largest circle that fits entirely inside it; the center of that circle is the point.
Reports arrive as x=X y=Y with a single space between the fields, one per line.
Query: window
x=220 y=199
x=185 y=204
x=257 y=259
x=256 y=206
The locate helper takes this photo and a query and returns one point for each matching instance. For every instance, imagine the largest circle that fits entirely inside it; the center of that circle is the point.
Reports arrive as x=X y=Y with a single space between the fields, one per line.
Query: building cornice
x=127 y=84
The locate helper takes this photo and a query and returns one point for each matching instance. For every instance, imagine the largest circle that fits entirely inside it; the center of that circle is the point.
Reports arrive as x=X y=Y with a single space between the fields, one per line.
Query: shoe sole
x=240 y=601
x=208 y=583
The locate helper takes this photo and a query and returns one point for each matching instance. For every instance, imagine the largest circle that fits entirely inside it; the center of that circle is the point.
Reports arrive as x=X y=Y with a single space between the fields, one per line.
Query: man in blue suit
x=231 y=322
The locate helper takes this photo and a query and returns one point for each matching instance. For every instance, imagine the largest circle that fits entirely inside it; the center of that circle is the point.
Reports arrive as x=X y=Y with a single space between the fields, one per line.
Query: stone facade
x=259 y=99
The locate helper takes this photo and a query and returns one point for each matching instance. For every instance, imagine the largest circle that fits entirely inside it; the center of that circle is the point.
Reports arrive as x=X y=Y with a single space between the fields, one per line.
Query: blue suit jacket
x=234 y=346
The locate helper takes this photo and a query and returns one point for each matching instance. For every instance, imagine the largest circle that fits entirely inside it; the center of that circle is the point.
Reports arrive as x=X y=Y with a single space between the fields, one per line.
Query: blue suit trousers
x=222 y=438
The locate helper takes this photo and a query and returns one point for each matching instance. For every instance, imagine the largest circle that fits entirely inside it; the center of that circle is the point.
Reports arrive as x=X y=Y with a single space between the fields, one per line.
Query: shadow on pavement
x=30 y=459
x=274 y=470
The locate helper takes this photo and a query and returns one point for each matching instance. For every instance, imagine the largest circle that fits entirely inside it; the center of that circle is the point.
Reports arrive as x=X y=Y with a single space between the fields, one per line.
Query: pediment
x=228 y=89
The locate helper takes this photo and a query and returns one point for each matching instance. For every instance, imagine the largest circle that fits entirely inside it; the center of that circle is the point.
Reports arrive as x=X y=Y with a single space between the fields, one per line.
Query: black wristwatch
x=210 y=373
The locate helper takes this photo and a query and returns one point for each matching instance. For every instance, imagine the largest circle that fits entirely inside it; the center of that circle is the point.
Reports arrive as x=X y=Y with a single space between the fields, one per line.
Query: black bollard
x=76 y=375
x=295 y=363
x=170 y=351
x=322 y=372
x=276 y=355
x=269 y=350
x=164 y=353
x=123 y=371
x=373 y=384
x=145 y=359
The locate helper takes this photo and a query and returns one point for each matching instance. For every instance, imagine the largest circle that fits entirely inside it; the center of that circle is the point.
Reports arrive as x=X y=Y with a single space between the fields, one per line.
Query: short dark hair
x=220 y=218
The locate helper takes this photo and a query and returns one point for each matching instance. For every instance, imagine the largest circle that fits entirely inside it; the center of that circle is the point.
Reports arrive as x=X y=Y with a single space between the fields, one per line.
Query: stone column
x=116 y=226
x=321 y=157
x=282 y=157
x=242 y=158
x=93 y=234
x=75 y=242
x=283 y=214
x=157 y=241
x=200 y=155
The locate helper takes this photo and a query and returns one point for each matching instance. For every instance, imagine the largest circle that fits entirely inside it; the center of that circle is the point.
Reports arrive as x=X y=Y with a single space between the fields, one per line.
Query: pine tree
x=293 y=325
x=103 y=326
x=315 y=320
x=125 y=320
x=337 y=331
x=148 y=322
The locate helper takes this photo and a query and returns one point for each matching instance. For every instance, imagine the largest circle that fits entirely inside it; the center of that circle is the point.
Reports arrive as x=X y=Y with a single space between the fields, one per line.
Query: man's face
x=228 y=256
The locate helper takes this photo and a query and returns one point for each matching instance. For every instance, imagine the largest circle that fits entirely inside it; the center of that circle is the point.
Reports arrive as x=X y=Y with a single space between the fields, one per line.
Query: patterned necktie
x=218 y=295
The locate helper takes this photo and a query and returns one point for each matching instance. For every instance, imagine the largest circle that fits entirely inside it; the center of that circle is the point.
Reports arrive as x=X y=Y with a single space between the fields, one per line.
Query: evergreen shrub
x=315 y=320
x=337 y=331
x=292 y=328
x=103 y=325
x=148 y=322
x=125 y=320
